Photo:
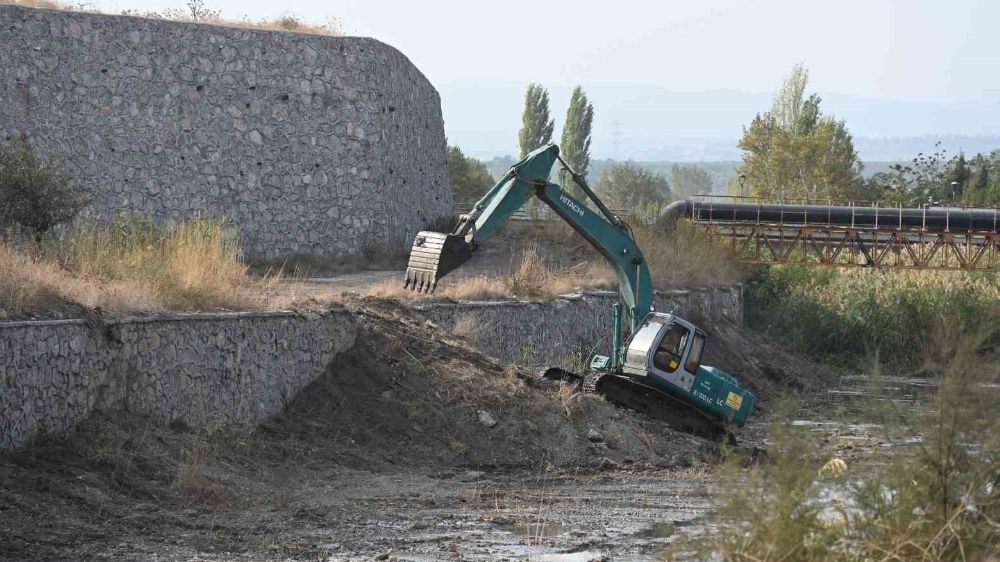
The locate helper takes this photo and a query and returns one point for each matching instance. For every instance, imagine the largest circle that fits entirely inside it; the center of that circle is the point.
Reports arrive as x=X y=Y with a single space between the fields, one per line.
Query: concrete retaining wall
x=552 y=332
x=311 y=145
x=234 y=368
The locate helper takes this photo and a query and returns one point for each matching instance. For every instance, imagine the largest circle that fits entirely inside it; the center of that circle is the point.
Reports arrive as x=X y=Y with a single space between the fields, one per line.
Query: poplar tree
x=789 y=103
x=575 y=146
x=794 y=151
x=536 y=125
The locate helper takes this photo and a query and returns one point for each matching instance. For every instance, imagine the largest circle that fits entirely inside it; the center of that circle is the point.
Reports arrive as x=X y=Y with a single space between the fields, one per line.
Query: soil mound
x=410 y=393
x=763 y=366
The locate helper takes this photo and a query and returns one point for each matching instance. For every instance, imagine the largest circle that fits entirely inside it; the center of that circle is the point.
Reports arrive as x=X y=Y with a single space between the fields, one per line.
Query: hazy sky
x=890 y=68
x=923 y=50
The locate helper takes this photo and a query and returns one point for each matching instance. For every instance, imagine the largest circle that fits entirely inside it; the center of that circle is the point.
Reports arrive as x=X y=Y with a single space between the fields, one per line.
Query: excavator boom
x=658 y=371
x=434 y=254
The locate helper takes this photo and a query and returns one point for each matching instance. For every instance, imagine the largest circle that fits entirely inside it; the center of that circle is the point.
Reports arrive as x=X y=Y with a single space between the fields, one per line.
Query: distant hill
x=721 y=172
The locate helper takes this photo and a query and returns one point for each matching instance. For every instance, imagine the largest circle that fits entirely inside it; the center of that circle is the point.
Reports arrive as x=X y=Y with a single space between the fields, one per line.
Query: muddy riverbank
x=415 y=446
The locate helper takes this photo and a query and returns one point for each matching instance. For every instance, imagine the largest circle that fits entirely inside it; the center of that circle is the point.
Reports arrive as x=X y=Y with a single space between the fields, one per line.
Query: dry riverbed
x=414 y=446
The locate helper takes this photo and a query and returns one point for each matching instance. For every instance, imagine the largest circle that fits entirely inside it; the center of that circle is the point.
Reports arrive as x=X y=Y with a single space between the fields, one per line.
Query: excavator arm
x=676 y=389
x=435 y=254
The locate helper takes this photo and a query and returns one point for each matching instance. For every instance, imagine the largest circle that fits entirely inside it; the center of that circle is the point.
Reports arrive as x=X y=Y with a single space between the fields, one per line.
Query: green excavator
x=655 y=364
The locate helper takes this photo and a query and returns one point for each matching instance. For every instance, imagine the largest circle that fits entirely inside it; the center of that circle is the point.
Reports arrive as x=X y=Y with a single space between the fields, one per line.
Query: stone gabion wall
x=230 y=368
x=311 y=145
x=558 y=331
x=240 y=368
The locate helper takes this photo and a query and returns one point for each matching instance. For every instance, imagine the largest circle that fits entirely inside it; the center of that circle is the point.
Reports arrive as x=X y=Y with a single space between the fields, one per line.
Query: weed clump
x=130 y=264
x=194 y=266
x=532 y=276
x=192 y=479
x=936 y=499
x=35 y=194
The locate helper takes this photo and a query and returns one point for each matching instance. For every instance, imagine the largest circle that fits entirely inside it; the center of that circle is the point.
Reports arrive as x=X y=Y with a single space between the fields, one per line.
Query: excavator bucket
x=433 y=256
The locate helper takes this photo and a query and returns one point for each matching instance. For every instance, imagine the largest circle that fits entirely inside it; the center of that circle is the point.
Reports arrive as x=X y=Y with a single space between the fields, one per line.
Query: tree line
x=792 y=152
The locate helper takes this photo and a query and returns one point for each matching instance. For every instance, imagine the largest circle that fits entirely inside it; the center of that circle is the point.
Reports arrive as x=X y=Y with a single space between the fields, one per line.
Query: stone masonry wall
x=548 y=333
x=233 y=368
x=240 y=368
x=311 y=145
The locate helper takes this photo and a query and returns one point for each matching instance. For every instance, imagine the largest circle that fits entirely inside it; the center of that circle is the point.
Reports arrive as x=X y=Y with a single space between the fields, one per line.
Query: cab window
x=668 y=353
x=694 y=358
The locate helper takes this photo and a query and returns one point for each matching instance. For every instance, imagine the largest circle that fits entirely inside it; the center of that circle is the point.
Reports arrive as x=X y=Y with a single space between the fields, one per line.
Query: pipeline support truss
x=853 y=235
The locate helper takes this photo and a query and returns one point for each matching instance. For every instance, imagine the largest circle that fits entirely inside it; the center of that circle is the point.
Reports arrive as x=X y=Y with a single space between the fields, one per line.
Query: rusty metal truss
x=892 y=246
x=848 y=247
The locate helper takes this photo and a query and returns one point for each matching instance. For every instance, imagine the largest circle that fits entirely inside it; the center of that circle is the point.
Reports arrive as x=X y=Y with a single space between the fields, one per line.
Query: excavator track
x=648 y=401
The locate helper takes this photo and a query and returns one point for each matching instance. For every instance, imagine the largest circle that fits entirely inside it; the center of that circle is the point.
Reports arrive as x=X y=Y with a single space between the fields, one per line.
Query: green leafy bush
x=35 y=195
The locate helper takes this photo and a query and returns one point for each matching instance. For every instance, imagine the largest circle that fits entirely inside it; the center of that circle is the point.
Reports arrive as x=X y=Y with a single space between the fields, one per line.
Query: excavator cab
x=665 y=352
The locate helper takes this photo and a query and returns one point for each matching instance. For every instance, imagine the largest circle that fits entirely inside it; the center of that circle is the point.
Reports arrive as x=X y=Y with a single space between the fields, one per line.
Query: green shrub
x=468 y=177
x=35 y=195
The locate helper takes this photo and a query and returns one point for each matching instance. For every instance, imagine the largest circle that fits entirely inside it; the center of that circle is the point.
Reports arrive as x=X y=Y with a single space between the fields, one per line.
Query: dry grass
x=473 y=288
x=45 y=4
x=32 y=285
x=570 y=399
x=532 y=276
x=26 y=285
x=195 y=266
x=130 y=265
x=678 y=255
x=466 y=327
x=683 y=256
x=285 y=22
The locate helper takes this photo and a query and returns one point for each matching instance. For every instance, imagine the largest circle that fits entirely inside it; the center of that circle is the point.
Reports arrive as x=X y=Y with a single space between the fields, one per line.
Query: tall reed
x=844 y=316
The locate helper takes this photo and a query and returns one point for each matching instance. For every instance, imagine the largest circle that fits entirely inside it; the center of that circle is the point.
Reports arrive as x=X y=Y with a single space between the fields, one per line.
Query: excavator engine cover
x=433 y=256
